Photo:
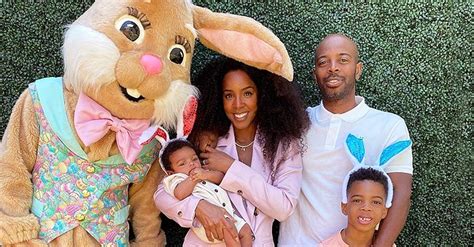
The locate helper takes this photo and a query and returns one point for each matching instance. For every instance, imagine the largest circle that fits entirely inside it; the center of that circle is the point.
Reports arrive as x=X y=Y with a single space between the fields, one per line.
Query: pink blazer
x=264 y=201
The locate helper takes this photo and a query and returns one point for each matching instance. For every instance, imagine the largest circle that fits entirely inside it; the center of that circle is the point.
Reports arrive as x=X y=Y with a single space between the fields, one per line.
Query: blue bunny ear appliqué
x=391 y=151
x=356 y=147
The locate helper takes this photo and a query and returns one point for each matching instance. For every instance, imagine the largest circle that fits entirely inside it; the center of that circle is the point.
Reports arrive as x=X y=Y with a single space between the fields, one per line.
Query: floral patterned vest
x=71 y=191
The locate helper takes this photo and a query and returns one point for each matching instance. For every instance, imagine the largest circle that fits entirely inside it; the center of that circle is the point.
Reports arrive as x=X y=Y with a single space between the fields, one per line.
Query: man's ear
x=344 y=208
x=243 y=39
x=359 y=67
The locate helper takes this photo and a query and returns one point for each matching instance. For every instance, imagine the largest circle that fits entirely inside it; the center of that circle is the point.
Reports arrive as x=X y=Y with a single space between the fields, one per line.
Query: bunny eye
x=130 y=29
x=177 y=52
x=133 y=25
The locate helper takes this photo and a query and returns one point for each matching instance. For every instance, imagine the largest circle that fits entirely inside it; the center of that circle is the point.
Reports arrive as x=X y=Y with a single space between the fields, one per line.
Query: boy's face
x=184 y=160
x=365 y=206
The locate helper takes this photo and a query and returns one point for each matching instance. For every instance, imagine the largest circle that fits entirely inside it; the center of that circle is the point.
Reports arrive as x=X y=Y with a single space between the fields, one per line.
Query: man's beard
x=336 y=95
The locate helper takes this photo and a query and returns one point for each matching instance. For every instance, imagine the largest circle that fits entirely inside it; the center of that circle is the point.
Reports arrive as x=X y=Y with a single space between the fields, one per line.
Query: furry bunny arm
x=17 y=157
x=30 y=243
x=18 y=229
x=145 y=216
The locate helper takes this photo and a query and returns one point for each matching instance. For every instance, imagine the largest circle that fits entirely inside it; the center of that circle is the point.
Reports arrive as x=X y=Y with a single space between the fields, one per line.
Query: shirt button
x=253 y=237
x=90 y=169
x=80 y=217
x=180 y=213
x=223 y=204
x=216 y=190
x=239 y=192
x=203 y=182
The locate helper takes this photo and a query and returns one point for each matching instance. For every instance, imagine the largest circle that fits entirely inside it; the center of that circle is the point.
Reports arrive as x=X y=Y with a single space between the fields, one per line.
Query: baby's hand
x=197 y=174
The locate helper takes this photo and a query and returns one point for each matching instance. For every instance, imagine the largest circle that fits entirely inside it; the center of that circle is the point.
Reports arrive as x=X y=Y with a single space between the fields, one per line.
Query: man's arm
x=393 y=224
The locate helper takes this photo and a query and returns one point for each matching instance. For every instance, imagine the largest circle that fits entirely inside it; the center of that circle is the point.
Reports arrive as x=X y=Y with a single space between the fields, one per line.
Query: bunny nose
x=151 y=64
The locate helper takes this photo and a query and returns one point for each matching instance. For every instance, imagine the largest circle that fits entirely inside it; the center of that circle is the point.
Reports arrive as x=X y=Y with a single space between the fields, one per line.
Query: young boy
x=367 y=190
x=186 y=177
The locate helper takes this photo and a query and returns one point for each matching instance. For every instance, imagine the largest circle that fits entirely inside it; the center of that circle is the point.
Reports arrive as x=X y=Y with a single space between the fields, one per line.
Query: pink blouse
x=254 y=196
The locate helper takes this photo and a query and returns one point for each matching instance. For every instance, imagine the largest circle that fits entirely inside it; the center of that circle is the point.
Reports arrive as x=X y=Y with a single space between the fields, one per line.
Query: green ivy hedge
x=418 y=64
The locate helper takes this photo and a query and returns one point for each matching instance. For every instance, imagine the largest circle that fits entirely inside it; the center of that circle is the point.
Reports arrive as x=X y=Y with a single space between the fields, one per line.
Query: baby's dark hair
x=170 y=148
x=368 y=174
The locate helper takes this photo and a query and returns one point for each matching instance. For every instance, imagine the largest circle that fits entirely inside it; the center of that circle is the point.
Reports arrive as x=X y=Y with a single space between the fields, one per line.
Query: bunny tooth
x=134 y=93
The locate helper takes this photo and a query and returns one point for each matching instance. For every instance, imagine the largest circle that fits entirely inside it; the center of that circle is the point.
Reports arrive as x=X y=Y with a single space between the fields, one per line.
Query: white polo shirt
x=325 y=164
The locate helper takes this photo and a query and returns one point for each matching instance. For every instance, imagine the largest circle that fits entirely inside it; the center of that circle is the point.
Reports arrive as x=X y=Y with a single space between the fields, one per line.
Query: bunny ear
x=355 y=147
x=391 y=151
x=154 y=131
x=388 y=202
x=187 y=117
x=243 y=39
x=344 y=183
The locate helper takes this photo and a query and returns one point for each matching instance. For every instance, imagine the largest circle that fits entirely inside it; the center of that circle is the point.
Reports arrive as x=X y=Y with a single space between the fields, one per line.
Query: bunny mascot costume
x=72 y=171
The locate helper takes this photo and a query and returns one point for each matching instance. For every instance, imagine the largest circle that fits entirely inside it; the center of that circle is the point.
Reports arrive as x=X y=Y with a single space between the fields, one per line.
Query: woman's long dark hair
x=281 y=117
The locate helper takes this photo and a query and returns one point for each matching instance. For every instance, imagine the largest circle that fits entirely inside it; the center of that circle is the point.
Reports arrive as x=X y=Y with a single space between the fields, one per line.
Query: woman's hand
x=215 y=220
x=216 y=160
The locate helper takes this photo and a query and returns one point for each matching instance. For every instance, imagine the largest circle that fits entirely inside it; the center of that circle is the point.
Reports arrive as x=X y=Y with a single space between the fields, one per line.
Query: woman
x=259 y=119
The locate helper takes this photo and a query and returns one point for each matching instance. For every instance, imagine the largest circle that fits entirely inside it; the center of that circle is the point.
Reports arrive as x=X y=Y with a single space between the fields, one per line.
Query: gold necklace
x=243 y=147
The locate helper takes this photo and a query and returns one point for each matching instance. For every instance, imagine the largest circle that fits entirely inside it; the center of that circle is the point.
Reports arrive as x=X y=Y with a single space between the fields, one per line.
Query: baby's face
x=184 y=160
x=365 y=206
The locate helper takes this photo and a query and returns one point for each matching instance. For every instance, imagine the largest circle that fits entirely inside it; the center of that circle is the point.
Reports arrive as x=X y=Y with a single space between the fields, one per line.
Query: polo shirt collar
x=351 y=116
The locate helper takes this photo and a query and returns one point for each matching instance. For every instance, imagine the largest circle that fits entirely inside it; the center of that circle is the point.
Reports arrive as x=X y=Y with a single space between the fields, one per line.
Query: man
x=325 y=162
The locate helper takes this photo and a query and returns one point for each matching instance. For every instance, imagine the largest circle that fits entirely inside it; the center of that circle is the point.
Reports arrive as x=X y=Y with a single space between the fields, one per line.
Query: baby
x=367 y=190
x=185 y=177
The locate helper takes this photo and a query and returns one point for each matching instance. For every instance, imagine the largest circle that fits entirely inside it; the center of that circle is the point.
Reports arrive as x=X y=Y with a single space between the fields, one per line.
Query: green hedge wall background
x=418 y=64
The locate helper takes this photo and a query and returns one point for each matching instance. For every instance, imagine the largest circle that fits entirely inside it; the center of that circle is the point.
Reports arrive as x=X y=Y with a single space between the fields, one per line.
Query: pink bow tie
x=92 y=122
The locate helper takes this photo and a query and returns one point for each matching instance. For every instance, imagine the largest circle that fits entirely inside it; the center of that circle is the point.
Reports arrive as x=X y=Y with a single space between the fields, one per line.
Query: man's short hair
x=340 y=35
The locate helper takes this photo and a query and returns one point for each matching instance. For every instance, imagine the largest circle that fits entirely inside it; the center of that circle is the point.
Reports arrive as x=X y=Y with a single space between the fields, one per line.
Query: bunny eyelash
x=184 y=42
x=140 y=16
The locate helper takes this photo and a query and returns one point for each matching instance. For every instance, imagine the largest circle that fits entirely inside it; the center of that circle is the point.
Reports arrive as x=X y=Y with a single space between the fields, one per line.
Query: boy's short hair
x=171 y=147
x=368 y=173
